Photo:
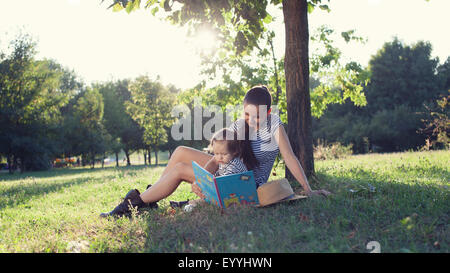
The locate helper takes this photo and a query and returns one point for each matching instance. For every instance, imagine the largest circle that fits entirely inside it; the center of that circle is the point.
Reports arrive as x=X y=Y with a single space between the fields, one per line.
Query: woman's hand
x=196 y=189
x=317 y=193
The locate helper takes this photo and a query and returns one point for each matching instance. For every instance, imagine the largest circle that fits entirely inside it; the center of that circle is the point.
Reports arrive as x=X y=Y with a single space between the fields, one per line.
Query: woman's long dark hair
x=258 y=95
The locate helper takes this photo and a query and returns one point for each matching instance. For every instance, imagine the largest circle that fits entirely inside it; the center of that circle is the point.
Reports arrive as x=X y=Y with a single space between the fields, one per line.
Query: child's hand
x=212 y=165
x=196 y=189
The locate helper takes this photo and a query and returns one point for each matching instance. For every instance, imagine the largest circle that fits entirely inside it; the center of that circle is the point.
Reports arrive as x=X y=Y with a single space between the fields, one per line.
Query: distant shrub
x=437 y=124
x=38 y=162
x=336 y=150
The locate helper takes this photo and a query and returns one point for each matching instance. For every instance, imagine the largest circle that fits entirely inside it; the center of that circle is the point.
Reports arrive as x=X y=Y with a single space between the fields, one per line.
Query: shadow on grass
x=401 y=217
x=20 y=193
x=71 y=171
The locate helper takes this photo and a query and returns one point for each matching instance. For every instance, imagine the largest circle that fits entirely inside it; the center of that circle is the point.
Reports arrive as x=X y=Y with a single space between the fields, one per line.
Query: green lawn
x=400 y=200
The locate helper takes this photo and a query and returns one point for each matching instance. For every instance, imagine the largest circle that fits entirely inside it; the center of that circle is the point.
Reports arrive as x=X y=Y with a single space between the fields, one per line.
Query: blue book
x=225 y=191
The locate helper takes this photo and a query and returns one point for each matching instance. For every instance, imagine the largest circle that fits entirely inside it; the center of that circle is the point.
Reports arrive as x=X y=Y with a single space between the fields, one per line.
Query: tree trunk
x=84 y=160
x=145 y=157
x=156 y=157
x=10 y=164
x=149 y=156
x=22 y=164
x=128 y=158
x=296 y=68
x=15 y=163
x=92 y=160
x=117 y=159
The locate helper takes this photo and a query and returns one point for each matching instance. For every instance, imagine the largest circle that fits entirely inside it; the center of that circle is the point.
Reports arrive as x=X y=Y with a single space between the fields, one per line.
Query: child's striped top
x=234 y=166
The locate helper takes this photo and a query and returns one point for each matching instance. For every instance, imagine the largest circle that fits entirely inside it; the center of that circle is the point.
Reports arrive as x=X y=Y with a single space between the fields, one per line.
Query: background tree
x=150 y=106
x=31 y=95
x=89 y=132
x=125 y=132
x=71 y=86
x=443 y=74
x=403 y=78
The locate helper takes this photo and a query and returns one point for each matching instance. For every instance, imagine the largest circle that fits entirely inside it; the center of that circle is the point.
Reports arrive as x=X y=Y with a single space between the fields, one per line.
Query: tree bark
x=128 y=158
x=84 y=160
x=92 y=160
x=117 y=159
x=149 y=156
x=10 y=164
x=296 y=68
x=20 y=164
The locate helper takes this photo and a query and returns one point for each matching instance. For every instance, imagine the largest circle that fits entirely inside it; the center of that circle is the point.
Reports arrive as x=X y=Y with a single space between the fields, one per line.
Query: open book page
x=205 y=181
x=237 y=189
x=225 y=191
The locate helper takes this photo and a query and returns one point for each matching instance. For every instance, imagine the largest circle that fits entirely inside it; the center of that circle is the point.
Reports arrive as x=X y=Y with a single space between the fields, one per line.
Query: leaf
x=155 y=10
x=150 y=3
x=222 y=54
x=324 y=7
x=268 y=19
x=129 y=7
x=310 y=7
x=117 y=7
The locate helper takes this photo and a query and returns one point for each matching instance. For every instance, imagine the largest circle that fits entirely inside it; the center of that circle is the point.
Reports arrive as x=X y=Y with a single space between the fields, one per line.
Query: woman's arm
x=292 y=162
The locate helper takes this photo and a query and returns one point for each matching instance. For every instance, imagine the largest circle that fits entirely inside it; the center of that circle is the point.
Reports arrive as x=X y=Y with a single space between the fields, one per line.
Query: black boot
x=132 y=199
x=152 y=205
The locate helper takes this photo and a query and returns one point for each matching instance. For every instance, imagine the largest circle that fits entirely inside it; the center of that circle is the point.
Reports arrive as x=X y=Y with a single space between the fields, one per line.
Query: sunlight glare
x=374 y=2
x=74 y=2
x=205 y=41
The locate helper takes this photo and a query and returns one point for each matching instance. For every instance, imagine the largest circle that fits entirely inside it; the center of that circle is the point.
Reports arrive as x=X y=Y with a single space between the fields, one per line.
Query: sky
x=101 y=45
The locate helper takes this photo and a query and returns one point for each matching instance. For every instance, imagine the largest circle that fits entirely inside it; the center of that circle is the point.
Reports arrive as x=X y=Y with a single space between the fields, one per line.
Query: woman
x=265 y=138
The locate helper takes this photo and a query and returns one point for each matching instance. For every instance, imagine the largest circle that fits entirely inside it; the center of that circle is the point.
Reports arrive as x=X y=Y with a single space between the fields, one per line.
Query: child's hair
x=232 y=142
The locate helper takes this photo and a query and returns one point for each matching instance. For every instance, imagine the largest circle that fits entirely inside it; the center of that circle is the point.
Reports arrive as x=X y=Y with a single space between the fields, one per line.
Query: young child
x=227 y=150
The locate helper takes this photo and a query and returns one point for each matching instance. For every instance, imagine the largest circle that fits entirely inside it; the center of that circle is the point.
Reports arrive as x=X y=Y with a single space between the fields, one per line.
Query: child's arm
x=211 y=166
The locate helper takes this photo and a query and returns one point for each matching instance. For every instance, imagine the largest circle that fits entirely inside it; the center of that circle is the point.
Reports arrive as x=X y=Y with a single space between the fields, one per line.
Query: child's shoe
x=175 y=204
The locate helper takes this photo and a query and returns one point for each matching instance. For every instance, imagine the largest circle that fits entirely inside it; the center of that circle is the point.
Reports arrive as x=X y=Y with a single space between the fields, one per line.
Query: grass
x=400 y=200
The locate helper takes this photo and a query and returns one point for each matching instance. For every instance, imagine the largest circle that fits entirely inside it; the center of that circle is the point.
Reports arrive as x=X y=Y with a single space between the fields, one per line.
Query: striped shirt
x=263 y=144
x=234 y=166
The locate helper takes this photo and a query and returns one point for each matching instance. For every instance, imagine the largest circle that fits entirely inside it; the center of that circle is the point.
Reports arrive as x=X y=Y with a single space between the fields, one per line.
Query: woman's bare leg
x=186 y=155
x=177 y=170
